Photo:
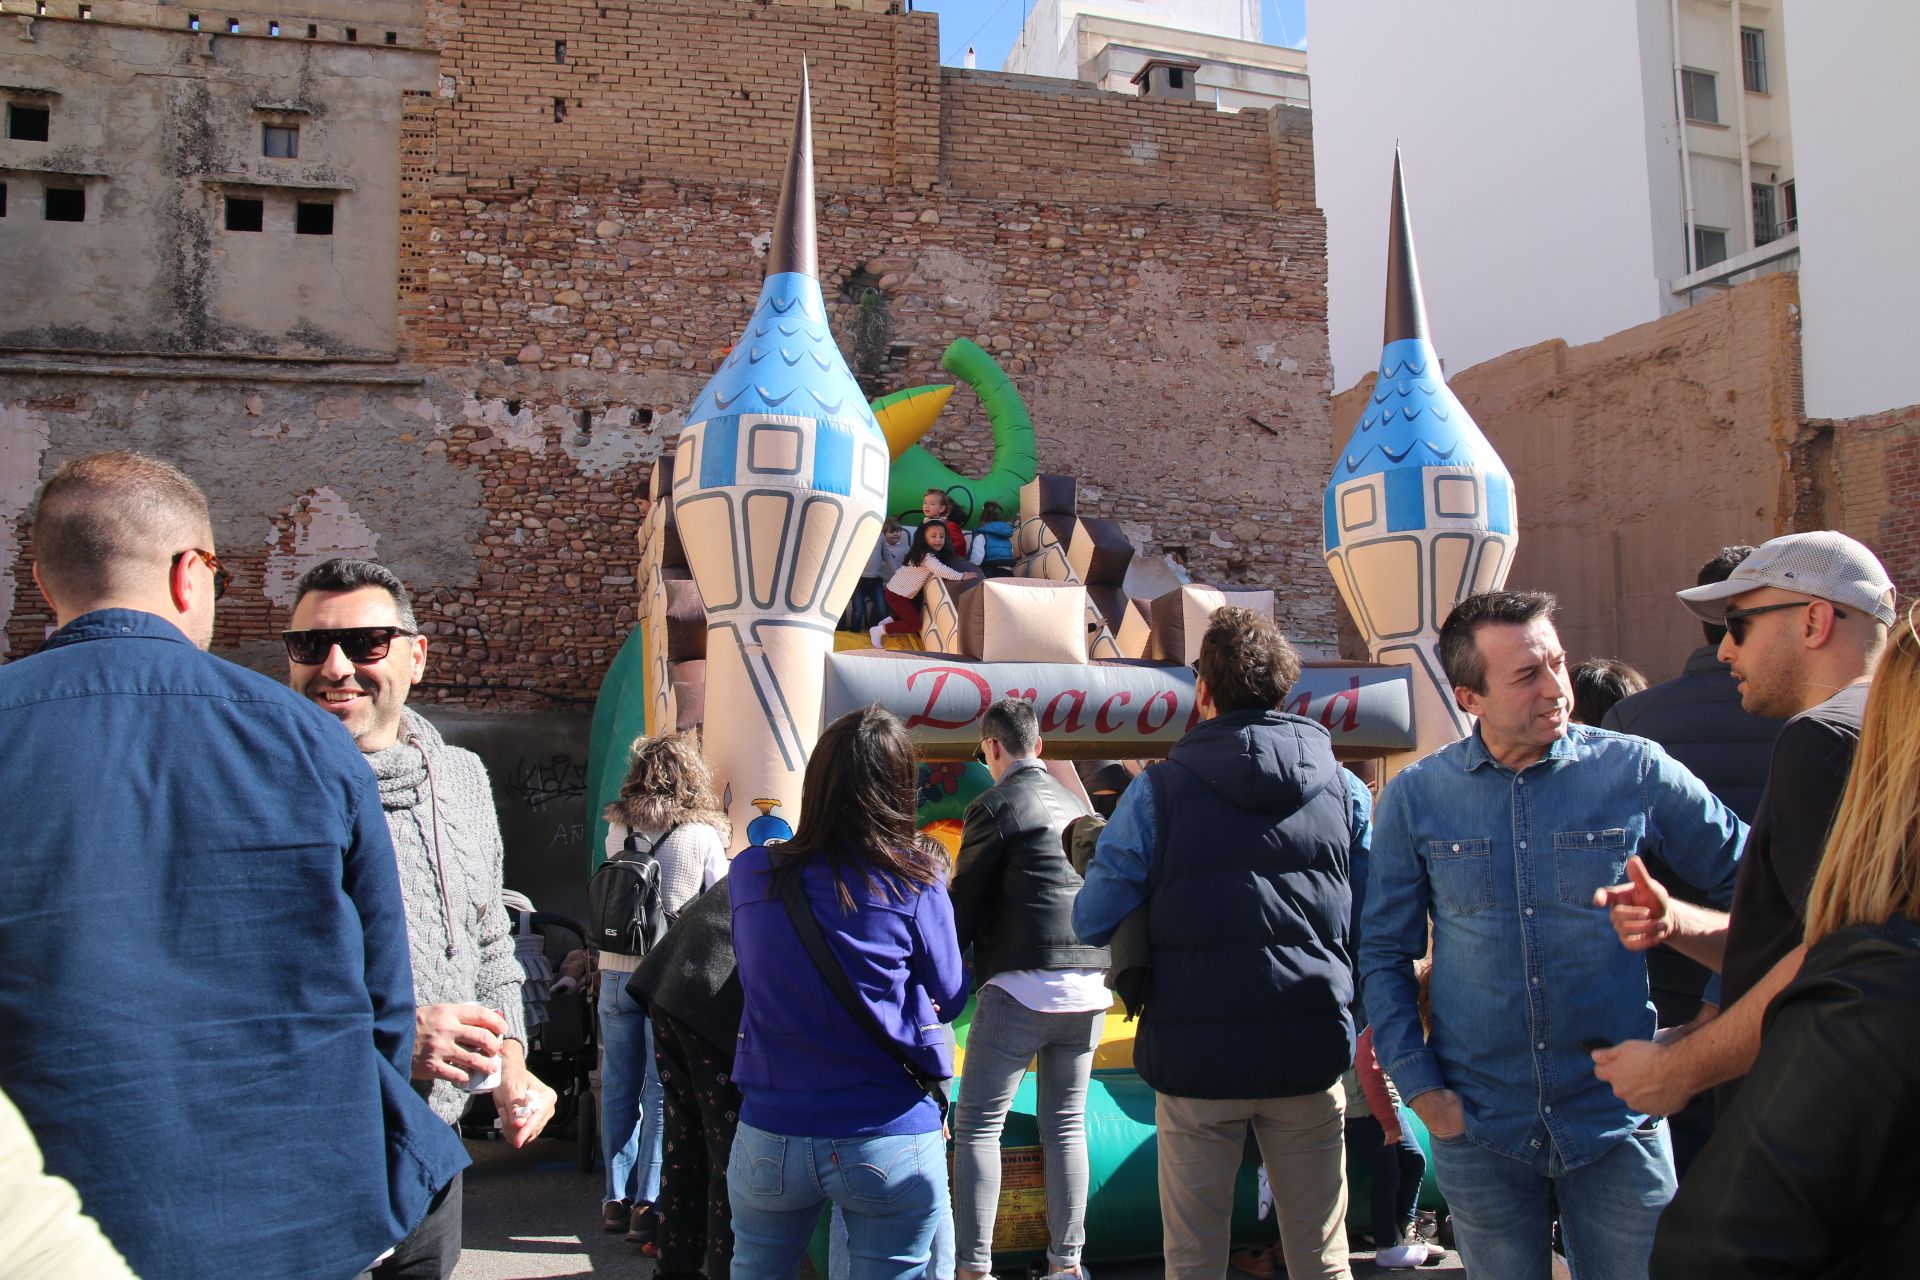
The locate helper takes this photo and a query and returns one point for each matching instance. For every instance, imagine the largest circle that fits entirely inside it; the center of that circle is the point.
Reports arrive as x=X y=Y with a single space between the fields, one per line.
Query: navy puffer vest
x=1249 y=913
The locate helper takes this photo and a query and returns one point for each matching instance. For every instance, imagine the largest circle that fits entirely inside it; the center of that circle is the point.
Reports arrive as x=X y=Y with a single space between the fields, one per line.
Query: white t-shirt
x=1056 y=990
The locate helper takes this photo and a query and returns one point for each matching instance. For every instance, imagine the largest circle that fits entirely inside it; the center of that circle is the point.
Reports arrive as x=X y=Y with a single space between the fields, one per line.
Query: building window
x=193 y=22
x=27 y=124
x=1789 y=208
x=66 y=204
x=245 y=215
x=1766 y=225
x=1753 y=59
x=281 y=141
x=233 y=26
x=3 y=199
x=1709 y=247
x=1700 y=100
x=313 y=218
x=352 y=35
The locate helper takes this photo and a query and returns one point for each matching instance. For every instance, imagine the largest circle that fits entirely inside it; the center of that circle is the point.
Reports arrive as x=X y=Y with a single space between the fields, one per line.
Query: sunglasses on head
x=221 y=578
x=1736 y=619
x=360 y=644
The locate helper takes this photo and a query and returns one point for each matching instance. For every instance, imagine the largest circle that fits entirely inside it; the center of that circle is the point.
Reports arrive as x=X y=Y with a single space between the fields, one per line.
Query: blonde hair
x=1871 y=871
x=667 y=781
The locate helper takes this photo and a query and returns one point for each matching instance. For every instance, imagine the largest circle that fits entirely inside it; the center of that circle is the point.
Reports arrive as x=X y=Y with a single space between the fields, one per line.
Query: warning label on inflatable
x=1021 y=1225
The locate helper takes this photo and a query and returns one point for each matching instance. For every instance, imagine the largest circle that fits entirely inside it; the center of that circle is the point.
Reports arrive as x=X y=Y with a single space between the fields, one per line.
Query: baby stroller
x=561 y=1047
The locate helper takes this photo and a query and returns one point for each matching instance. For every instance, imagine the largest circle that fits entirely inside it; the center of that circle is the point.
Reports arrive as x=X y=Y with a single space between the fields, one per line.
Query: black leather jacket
x=1815 y=1169
x=1012 y=886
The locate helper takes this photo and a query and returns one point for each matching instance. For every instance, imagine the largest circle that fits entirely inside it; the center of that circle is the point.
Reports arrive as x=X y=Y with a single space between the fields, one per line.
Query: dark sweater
x=691 y=976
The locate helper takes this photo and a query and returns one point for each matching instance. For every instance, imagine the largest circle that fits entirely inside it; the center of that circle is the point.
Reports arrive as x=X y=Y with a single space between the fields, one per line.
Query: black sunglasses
x=1736 y=619
x=221 y=578
x=360 y=644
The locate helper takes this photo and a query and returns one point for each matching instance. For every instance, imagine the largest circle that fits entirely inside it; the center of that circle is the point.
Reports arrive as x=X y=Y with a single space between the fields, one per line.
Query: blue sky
x=992 y=25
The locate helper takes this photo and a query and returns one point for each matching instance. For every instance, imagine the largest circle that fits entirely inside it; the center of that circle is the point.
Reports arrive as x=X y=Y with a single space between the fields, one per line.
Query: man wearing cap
x=1806 y=616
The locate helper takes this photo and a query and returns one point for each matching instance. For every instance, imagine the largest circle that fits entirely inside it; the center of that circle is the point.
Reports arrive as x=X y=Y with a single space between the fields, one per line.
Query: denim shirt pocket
x=1584 y=861
x=1462 y=874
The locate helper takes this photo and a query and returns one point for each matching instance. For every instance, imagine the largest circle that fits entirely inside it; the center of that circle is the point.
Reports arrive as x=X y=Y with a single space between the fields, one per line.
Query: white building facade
x=1108 y=44
x=1572 y=175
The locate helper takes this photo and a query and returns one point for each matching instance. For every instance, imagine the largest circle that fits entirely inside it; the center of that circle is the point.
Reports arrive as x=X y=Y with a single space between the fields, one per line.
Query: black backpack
x=626 y=907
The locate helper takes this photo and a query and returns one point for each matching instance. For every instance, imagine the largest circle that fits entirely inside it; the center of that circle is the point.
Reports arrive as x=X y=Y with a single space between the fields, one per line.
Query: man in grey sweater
x=355 y=649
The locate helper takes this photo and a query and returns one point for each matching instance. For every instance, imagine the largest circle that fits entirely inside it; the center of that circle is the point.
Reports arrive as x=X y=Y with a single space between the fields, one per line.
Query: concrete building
x=1208 y=51
x=1572 y=174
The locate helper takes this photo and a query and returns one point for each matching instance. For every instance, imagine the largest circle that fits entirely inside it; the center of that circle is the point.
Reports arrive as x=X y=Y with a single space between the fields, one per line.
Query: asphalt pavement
x=532 y=1214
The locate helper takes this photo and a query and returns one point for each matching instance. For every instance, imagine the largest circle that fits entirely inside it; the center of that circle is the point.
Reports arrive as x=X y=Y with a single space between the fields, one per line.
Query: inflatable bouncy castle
x=763 y=517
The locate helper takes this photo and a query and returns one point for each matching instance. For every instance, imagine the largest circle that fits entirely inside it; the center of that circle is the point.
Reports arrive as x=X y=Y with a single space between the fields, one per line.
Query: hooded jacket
x=1249 y=913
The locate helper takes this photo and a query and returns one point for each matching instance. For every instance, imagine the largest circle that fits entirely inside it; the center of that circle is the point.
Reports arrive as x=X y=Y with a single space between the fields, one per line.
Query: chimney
x=1169 y=79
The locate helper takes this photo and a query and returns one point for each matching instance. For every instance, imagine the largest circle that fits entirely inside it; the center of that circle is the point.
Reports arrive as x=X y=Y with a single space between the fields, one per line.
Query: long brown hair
x=1871 y=871
x=667 y=782
x=857 y=808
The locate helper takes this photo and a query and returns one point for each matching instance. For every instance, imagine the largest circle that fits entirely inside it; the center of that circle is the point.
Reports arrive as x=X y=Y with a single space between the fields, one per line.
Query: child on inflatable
x=930 y=556
x=997 y=536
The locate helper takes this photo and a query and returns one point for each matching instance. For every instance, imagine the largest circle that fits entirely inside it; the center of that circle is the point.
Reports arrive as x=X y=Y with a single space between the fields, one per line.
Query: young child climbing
x=930 y=556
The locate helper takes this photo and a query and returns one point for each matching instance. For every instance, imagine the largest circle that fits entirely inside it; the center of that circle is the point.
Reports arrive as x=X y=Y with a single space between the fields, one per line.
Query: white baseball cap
x=1825 y=564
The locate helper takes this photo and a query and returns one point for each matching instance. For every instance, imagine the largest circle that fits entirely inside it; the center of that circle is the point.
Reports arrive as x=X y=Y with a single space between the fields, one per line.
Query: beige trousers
x=1303 y=1143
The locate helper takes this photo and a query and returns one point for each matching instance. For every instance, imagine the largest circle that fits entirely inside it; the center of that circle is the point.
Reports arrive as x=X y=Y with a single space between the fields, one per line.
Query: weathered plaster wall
x=159 y=126
x=1635 y=458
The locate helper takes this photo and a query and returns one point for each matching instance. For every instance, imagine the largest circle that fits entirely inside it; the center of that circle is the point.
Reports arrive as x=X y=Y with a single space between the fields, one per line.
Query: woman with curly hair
x=1814 y=1170
x=666 y=807
x=828 y=1113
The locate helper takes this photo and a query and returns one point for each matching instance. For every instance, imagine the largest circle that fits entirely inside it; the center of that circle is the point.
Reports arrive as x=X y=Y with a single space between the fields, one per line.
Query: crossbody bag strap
x=835 y=976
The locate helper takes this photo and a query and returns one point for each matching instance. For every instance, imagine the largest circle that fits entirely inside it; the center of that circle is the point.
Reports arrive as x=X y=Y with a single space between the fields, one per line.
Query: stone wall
x=1869 y=469
x=567 y=286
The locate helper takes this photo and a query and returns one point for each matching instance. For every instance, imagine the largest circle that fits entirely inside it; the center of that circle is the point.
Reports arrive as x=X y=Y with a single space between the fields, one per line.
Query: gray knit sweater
x=457 y=928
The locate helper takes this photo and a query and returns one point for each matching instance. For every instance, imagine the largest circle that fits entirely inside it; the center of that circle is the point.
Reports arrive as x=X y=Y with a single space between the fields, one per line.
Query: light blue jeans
x=1005 y=1037
x=630 y=1096
x=890 y=1188
x=840 y=1268
x=1503 y=1219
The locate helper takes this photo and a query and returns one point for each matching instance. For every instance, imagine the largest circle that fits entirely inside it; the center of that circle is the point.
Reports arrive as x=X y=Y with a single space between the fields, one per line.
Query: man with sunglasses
x=355 y=650
x=203 y=956
x=1806 y=617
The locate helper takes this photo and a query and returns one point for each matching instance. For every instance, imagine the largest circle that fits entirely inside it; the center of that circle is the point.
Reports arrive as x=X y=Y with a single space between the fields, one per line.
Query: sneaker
x=614 y=1215
x=1401 y=1257
x=1261 y=1260
x=877 y=633
x=643 y=1226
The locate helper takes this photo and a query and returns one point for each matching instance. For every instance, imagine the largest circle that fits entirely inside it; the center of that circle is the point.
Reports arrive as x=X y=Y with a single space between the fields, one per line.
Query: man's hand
x=1392 y=1136
x=1640 y=910
x=455 y=1041
x=1440 y=1111
x=1642 y=1076
x=524 y=1104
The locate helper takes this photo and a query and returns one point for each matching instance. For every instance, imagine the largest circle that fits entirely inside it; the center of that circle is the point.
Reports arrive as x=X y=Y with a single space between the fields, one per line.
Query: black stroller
x=562 y=1046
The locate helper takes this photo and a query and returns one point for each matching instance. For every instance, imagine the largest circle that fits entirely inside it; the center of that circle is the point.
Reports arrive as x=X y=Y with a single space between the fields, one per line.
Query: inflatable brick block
x=1099 y=552
x=1180 y=618
x=1019 y=620
x=660 y=478
x=688 y=680
x=1048 y=495
x=940 y=611
x=686 y=620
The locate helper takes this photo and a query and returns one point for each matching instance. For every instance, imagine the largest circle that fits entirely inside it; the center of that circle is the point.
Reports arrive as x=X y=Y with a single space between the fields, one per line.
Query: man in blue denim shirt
x=1504 y=836
x=204 y=976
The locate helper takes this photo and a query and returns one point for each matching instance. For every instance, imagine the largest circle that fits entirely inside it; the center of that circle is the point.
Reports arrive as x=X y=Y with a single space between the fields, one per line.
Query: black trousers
x=432 y=1249
x=702 y=1111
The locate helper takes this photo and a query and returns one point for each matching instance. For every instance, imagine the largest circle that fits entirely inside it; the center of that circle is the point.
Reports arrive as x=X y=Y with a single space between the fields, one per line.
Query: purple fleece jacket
x=805 y=1068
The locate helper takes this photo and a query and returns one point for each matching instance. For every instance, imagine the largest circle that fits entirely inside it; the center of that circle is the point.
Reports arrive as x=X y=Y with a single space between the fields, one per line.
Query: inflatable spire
x=1419 y=513
x=779 y=487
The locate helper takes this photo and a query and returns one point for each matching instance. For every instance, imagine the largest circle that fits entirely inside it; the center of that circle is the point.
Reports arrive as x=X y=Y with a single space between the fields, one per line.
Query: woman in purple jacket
x=828 y=1114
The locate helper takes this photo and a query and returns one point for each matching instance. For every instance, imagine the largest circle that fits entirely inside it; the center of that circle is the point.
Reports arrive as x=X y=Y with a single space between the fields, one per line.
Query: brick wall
x=1873 y=488
x=567 y=288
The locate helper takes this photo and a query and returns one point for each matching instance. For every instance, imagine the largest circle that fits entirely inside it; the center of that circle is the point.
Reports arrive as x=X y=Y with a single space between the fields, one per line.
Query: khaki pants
x=1303 y=1143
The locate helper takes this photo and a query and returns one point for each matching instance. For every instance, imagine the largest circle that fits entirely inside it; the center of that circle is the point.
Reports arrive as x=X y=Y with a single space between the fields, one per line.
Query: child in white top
x=930 y=556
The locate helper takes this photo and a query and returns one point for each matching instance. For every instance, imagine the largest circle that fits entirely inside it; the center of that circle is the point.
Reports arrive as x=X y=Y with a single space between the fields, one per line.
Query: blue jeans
x=1007 y=1035
x=839 y=1268
x=630 y=1096
x=890 y=1188
x=1503 y=1220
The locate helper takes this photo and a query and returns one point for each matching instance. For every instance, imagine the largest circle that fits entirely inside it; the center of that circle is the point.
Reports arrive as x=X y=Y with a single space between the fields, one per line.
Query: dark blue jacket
x=804 y=1065
x=1250 y=911
x=204 y=986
